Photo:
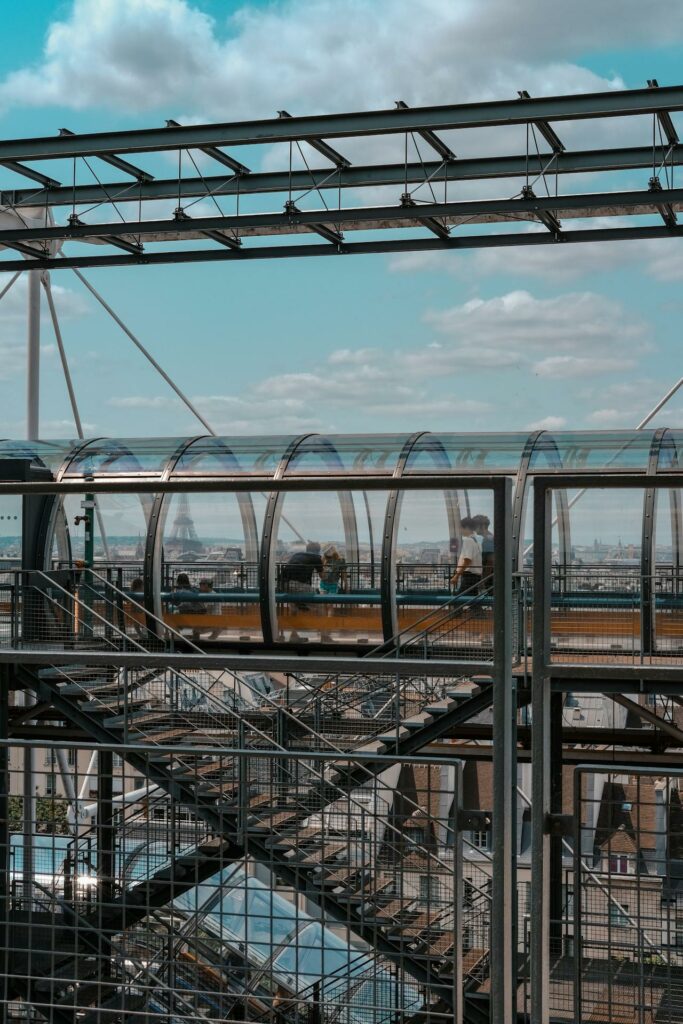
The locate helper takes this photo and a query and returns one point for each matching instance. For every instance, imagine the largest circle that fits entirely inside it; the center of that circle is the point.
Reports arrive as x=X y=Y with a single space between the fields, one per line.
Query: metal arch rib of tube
x=640 y=426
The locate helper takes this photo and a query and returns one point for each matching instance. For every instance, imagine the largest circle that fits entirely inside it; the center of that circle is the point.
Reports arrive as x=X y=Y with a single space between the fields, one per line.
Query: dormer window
x=620 y=864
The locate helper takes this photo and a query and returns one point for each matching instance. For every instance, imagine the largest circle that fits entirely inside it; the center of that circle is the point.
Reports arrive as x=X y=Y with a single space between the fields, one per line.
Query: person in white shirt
x=469 y=569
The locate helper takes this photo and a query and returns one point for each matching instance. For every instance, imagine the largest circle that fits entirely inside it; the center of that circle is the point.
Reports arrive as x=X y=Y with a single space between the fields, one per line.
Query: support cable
x=148 y=356
x=62 y=355
x=9 y=284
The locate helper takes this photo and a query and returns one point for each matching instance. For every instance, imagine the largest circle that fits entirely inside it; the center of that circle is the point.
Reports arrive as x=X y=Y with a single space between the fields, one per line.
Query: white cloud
x=69 y=304
x=549 y=423
x=660 y=259
x=580 y=366
x=612 y=418
x=579 y=328
x=319 y=54
x=448 y=380
x=13 y=313
x=144 y=402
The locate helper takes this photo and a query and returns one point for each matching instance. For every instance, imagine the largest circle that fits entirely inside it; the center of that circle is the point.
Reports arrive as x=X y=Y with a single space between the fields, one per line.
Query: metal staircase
x=288 y=823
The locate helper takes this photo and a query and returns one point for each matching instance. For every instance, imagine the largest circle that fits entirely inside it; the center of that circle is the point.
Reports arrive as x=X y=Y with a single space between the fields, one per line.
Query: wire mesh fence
x=186 y=884
x=626 y=916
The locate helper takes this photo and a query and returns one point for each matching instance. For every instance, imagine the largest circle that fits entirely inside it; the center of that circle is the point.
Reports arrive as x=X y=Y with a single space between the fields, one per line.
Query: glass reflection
x=123 y=456
x=208 y=565
x=467 y=453
x=255 y=456
x=324 y=568
x=378 y=453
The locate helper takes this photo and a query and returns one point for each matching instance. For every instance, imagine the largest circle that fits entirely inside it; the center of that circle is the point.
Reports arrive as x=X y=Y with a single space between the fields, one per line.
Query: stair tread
x=440 y=707
x=328 y=850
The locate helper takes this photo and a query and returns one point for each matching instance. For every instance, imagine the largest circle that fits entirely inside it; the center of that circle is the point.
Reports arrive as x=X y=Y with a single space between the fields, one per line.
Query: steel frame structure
x=547 y=824
x=546 y=676
x=419 y=225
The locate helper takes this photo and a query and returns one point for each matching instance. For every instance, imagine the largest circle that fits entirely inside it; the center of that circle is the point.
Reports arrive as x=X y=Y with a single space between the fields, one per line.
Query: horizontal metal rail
x=322 y=179
x=613 y=103
x=343 y=248
x=621 y=203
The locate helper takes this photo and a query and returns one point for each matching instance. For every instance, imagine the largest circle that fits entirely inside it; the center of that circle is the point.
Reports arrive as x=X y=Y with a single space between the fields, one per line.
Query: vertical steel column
x=458 y=895
x=33 y=357
x=555 y=907
x=32 y=431
x=4 y=830
x=540 y=759
x=504 y=892
x=577 y=886
x=106 y=854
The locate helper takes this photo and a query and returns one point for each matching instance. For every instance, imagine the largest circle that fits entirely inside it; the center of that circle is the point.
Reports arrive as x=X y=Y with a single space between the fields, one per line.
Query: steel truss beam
x=381 y=246
x=486 y=210
x=408 y=211
x=320 y=179
x=625 y=103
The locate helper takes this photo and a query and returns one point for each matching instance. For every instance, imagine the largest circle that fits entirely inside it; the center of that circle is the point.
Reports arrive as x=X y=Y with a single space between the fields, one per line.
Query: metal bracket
x=474 y=821
x=559 y=825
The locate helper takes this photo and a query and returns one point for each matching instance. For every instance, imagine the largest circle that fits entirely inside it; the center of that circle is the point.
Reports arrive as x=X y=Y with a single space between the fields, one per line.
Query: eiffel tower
x=183 y=534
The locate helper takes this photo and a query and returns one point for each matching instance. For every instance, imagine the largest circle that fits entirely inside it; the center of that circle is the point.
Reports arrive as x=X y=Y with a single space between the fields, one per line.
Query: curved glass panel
x=545 y=456
x=207 y=565
x=48 y=453
x=671 y=451
x=325 y=569
x=438 y=599
x=607 y=449
x=596 y=598
x=480 y=453
x=124 y=455
x=350 y=453
x=257 y=456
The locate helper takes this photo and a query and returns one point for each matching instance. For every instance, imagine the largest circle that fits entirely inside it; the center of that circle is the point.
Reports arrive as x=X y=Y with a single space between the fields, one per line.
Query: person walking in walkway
x=297 y=576
x=482 y=525
x=467 y=575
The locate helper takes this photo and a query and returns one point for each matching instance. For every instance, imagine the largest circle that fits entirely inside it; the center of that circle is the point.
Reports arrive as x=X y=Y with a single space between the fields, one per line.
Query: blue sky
x=489 y=340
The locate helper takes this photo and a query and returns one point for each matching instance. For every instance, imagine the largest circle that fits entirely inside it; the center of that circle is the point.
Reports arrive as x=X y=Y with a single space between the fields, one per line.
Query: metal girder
x=28 y=172
x=215 y=234
x=322 y=147
x=262 y=661
x=613 y=103
x=430 y=137
x=664 y=117
x=464 y=169
x=546 y=209
x=27 y=250
x=571 y=755
x=116 y=161
x=545 y=129
x=649 y=716
x=215 y=154
x=380 y=246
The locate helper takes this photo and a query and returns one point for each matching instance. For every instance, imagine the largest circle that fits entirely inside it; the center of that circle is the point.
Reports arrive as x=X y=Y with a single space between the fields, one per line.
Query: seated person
x=183 y=586
x=333 y=575
x=211 y=607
